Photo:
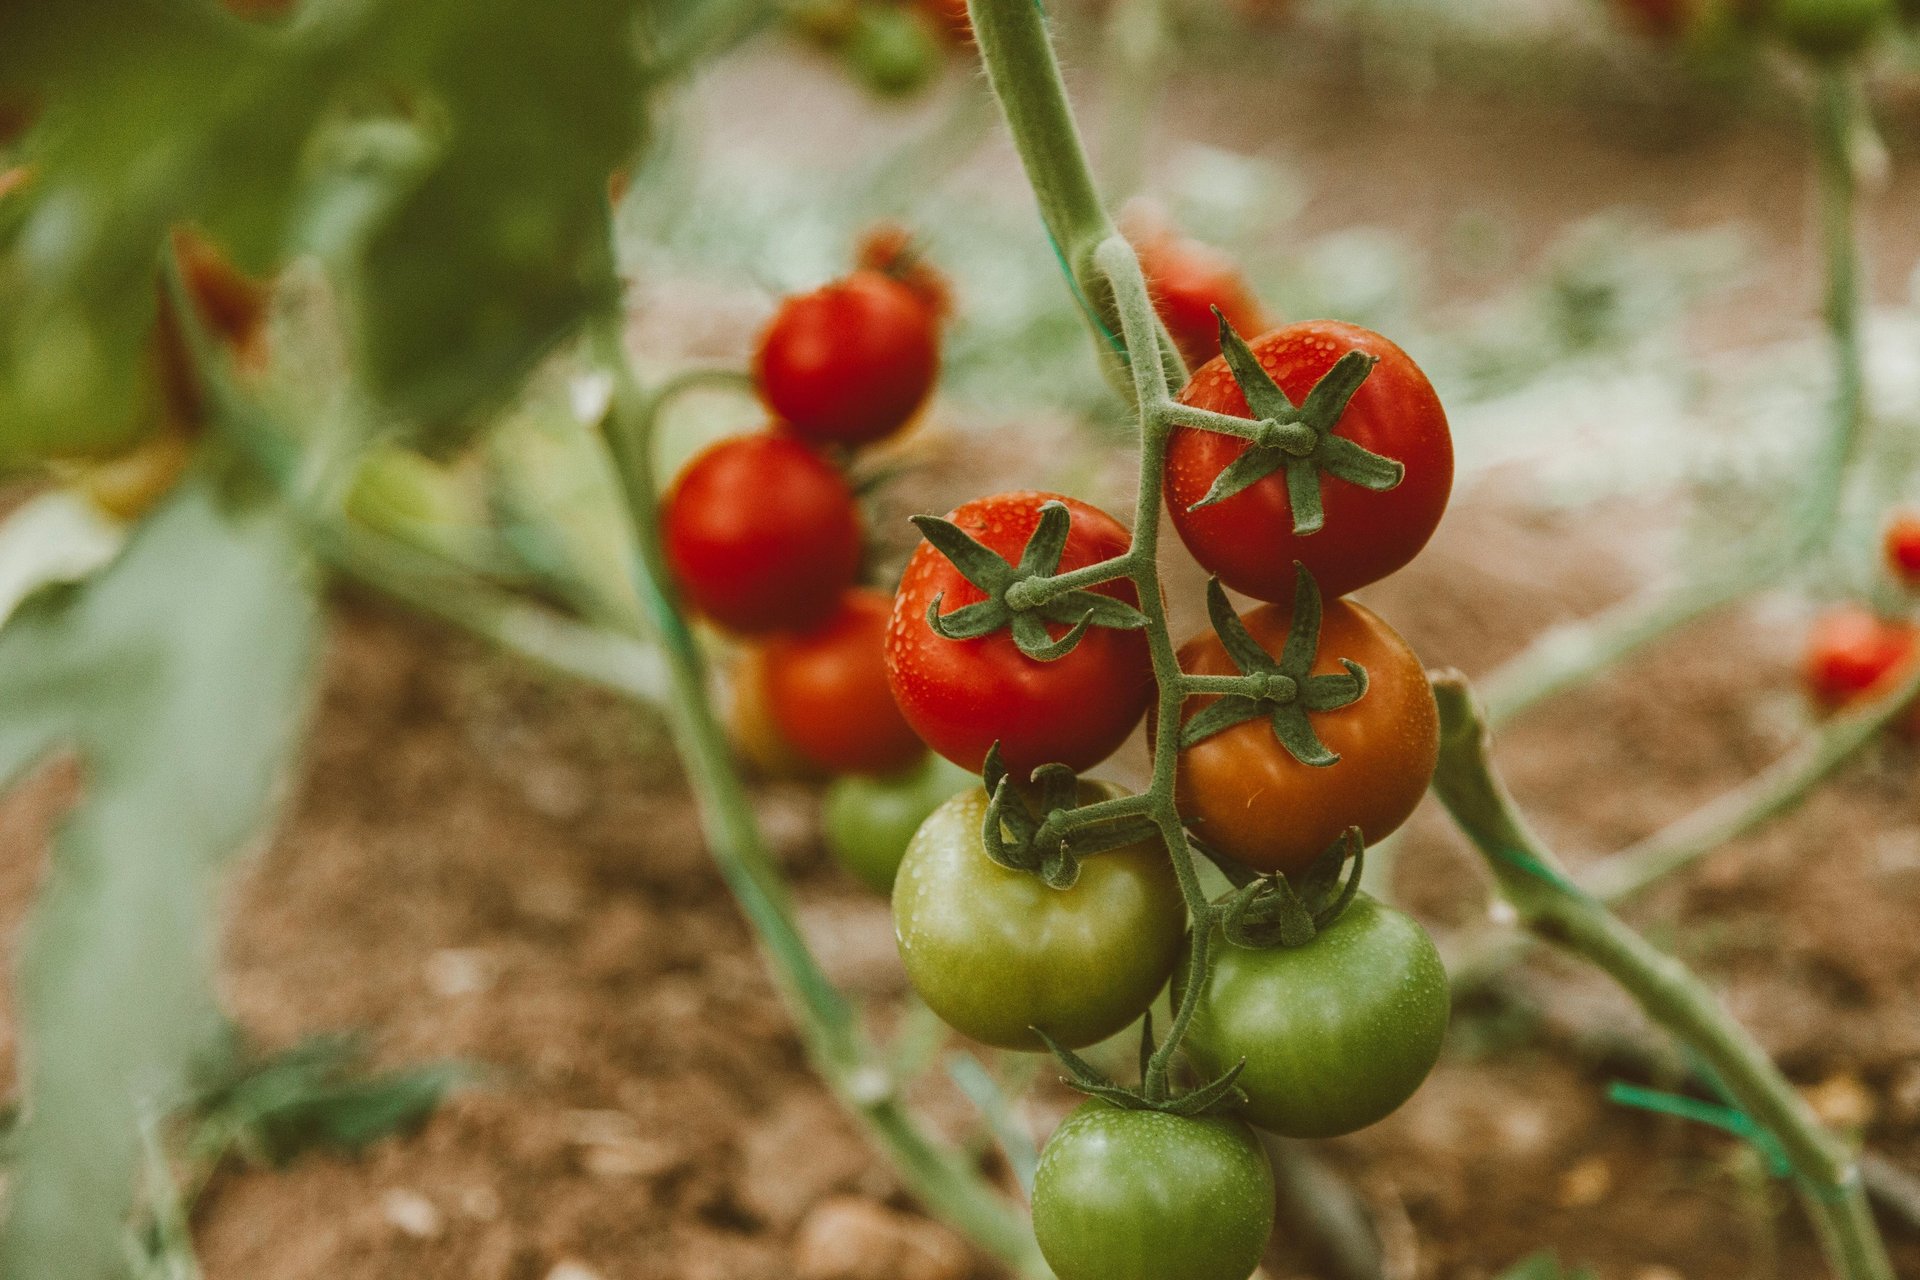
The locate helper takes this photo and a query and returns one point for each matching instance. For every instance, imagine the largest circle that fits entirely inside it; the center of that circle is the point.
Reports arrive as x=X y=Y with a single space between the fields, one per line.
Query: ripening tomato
x=1188 y=280
x=1853 y=655
x=1248 y=539
x=996 y=952
x=756 y=738
x=962 y=696
x=1829 y=29
x=890 y=249
x=1143 y=1195
x=867 y=823
x=1246 y=796
x=1337 y=1033
x=827 y=691
x=762 y=534
x=1903 y=548
x=850 y=362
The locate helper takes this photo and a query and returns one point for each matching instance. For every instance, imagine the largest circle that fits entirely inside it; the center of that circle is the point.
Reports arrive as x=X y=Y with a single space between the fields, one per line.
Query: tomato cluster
x=1854 y=654
x=1018 y=647
x=764 y=538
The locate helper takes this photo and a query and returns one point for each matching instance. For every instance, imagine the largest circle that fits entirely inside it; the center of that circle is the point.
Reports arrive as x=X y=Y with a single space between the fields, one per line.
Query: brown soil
x=483 y=864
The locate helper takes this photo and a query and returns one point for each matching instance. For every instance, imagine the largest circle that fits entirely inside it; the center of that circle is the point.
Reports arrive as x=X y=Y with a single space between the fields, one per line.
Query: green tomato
x=892 y=49
x=997 y=952
x=870 y=821
x=1829 y=28
x=1336 y=1034
x=1142 y=1195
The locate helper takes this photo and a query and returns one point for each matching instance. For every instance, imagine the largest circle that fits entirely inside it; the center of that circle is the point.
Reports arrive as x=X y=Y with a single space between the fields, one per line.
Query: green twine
x=1524 y=861
x=1729 y=1119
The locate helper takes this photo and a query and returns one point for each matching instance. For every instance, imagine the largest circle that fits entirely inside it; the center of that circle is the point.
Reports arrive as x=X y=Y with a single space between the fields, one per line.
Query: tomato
x=850 y=362
x=951 y=19
x=755 y=737
x=762 y=534
x=996 y=952
x=1853 y=655
x=889 y=248
x=1142 y=1195
x=827 y=691
x=1337 y=1033
x=867 y=822
x=1828 y=28
x=1903 y=548
x=893 y=49
x=1248 y=539
x=1242 y=792
x=1188 y=280
x=962 y=696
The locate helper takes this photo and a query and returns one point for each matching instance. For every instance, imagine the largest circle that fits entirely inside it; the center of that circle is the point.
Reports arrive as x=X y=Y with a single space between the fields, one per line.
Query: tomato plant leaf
x=182 y=698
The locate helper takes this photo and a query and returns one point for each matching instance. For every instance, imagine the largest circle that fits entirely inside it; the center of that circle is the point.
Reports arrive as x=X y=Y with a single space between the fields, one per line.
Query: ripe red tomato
x=963 y=695
x=1248 y=539
x=1903 y=548
x=762 y=534
x=1853 y=655
x=890 y=249
x=850 y=362
x=827 y=691
x=1188 y=280
x=1246 y=796
x=951 y=19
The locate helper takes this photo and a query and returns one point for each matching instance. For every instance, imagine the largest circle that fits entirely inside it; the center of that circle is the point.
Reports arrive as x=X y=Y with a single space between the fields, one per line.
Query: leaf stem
x=1552 y=907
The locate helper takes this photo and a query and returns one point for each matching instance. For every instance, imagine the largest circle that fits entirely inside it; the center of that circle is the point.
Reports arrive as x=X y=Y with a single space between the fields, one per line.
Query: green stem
x=1529 y=877
x=948 y=1188
x=1834 y=122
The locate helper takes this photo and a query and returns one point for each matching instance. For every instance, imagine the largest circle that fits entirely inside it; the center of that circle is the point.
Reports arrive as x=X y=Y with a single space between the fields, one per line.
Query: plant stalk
x=1553 y=908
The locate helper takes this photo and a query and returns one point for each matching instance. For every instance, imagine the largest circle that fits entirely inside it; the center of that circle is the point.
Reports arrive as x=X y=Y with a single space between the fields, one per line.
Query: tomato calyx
x=1283 y=689
x=1220 y=1094
x=1052 y=843
x=1268 y=911
x=1299 y=438
x=1023 y=598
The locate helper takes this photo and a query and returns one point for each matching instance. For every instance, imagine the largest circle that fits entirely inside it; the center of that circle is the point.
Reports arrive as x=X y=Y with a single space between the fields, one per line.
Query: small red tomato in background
x=1248 y=539
x=1660 y=19
x=1244 y=794
x=827 y=691
x=1188 y=280
x=1854 y=655
x=1903 y=549
x=890 y=249
x=762 y=534
x=951 y=19
x=850 y=362
x=961 y=696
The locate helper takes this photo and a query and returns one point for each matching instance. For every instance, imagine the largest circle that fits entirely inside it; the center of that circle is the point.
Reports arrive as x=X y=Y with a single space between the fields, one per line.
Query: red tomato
x=1903 y=548
x=951 y=18
x=762 y=534
x=1188 y=280
x=827 y=690
x=889 y=248
x=850 y=362
x=963 y=695
x=1248 y=539
x=1246 y=796
x=1853 y=655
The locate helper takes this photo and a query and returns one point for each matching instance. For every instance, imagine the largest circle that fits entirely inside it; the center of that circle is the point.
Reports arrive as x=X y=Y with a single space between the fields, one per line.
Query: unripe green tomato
x=868 y=822
x=397 y=491
x=1142 y=1195
x=1337 y=1033
x=1829 y=28
x=996 y=952
x=892 y=49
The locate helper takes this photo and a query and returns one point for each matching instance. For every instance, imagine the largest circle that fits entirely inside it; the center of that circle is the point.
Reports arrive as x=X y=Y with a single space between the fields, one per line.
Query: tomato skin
x=762 y=534
x=850 y=362
x=755 y=737
x=827 y=691
x=963 y=695
x=867 y=822
x=1337 y=1033
x=1188 y=280
x=1246 y=796
x=996 y=952
x=1829 y=29
x=1853 y=655
x=1142 y=1195
x=1248 y=539
x=1903 y=549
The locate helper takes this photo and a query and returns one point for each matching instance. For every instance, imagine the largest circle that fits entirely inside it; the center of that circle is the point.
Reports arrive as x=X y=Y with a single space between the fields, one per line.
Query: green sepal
x=968 y=622
x=1270 y=911
x=1225 y=712
x=1102 y=611
x=1219 y=1094
x=1048 y=541
x=1295 y=732
x=1083 y=1077
x=1250 y=468
x=1245 y=651
x=978 y=565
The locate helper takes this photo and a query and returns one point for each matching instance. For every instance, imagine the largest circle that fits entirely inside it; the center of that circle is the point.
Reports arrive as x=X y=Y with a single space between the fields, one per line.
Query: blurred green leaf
x=1543 y=1266
x=178 y=676
x=450 y=156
